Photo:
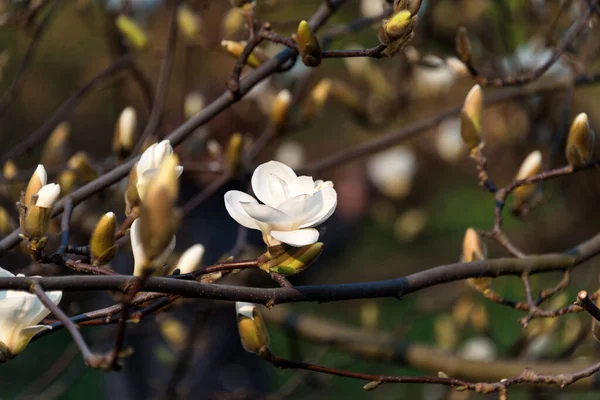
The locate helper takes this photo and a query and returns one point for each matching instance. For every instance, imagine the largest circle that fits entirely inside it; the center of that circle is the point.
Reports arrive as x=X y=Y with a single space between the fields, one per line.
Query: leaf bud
x=234 y=153
x=474 y=250
x=125 y=132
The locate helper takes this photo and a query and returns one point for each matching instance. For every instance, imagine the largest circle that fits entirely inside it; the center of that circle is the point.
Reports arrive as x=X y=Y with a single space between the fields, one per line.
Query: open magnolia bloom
x=19 y=314
x=140 y=260
x=147 y=167
x=293 y=205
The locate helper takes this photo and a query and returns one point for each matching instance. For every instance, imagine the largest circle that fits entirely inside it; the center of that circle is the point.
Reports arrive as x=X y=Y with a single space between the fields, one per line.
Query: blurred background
x=400 y=211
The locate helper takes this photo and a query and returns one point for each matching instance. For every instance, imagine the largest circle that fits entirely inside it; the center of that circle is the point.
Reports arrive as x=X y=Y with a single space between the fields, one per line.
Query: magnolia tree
x=130 y=207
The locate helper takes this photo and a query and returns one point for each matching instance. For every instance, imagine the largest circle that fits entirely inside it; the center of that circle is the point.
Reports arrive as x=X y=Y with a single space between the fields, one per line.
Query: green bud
x=308 y=45
x=102 y=241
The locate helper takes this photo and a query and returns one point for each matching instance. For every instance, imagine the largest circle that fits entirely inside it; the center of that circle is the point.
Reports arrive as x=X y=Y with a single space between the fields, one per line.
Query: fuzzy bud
x=234 y=153
x=280 y=109
x=287 y=260
x=132 y=31
x=235 y=49
x=580 y=143
x=470 y=118
x=102 y=241
x=125 y=132
x=474 y=250
x=531 y=166
x=251 y=327
x=308 y=45
x=55 y=149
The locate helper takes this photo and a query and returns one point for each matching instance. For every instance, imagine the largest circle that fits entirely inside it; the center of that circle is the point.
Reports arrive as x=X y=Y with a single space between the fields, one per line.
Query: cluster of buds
x=397 y=31
x=580 y=143
x=474 y=250
x=35 y=208
x=287 y=260
x=252 y=329
x=470 y=119
x=308 y=45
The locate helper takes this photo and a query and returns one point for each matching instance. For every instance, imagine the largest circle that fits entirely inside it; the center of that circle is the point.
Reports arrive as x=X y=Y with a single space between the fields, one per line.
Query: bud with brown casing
x=308 y=45
x=102 y=241
x=470 y=118
x=474 y=250
x=251 y=327
x=531 y=166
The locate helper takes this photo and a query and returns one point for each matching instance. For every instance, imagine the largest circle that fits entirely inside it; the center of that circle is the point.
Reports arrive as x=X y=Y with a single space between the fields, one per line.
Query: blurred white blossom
x=290 y=153
x=392 y=171
x=449 y=142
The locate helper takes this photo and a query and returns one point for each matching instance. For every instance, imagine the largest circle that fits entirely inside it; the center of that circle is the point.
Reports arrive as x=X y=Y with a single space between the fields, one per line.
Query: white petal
x=178 y=170
x=47 y=195
x=301 y=185
x=298 y=238
x=278 y=190
x=162 y=151
x=260 y=180
x=145 y=161
x=265 y=214
x=302 y=208
x=245 y=309
x=139 y=257
x=40 y=171
x=12 y=313
x=5 y=274
x=190 y=260
x=24 y=336
x=233 y=199
x=329 y=204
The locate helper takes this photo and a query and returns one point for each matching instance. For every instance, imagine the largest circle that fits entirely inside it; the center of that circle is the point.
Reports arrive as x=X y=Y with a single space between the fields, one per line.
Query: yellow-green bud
x=470 y=118
x=308 y=45
x=6 y=223
x=463 y=45
x=580 y=143
x=55 y=149
x=251 y=327
x=531 y=166
x=233 y=22
x=255 y=59
x=189 y=24
x=287 y=260
x=132 y=31
x=81 y=164
x=35 y=223
x=234 y=153
x=394 y=27
x=102 y=241
x=316 y=99
x=280 y=109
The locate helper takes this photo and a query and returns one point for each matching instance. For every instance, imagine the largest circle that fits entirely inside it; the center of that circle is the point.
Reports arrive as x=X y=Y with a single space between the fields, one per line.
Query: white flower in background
x=392 y=171
x=449 y=142
x=148 y=164
x=190 y=260
x=192 y=105
x=478 y=349
x=432 y=78
x=293 y=205
x=139 y=256
x=19 y=314
x=372 y=8
x=534 y=54
x=290 y=153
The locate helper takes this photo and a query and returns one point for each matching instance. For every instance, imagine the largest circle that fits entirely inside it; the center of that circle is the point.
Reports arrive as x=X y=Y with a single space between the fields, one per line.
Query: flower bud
x=316 y=99
x=411 y=5
x=287 y=260
x=280 y=109
x=9 y=170
x=55 y=149
x=193 y=104
x=34 y=218
x=233 y=22
x=255 y=59
x=308 y=45
x=470 y=118
x=6 y=223
x=81 y=164
x=190 y=24
x=531 y=166
x=234 y=153
x=395 y=26
x=102 y=241
x=474 y=250
x=190 y=260
x=463 y=45
x=36 y=182
x=174 y=331
x=580 y=143
x=132 y=197
x=132 y=31
x=159 y=219
x=125 y=130
x=251 y=327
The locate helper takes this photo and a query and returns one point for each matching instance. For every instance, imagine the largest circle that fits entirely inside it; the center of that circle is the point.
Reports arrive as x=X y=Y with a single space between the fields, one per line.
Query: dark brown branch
x=373 y=52
x=162 y=85
x=584 y=301
x=519 y=80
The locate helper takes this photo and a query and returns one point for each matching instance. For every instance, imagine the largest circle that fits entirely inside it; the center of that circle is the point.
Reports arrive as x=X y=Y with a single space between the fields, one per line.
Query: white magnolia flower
x=190 y=260
x=48 y=195
x=392 y=171
x=148 y=164
x=449 y=142
x=19 y=314
x=293 y=205
x=140 y=261
x=433 y=78
x=478 y=349
x=372 y=8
